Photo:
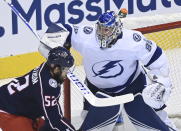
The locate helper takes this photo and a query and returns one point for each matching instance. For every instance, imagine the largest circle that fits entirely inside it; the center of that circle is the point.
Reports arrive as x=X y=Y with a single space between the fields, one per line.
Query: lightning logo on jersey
x=107 y=69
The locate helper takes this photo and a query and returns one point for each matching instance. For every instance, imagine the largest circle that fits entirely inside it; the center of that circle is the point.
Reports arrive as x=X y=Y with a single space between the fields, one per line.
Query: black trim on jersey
x=43 y=98
x=163 y=107
x=56 y=125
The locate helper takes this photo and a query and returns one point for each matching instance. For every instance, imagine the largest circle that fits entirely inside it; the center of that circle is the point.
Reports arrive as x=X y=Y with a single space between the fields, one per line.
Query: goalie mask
x=108 y=29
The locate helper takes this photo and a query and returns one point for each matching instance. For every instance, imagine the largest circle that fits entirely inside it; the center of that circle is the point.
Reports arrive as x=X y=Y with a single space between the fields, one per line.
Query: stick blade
x=100 y=102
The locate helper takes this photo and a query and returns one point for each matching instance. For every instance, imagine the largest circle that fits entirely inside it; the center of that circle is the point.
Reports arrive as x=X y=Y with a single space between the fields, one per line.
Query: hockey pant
x=9 y=122
x=145 y=118
x=141 y=115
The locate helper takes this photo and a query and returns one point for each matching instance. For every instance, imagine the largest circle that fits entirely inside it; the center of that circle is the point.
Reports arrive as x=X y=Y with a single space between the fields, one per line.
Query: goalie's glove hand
x=157 y=93
x=56 y=35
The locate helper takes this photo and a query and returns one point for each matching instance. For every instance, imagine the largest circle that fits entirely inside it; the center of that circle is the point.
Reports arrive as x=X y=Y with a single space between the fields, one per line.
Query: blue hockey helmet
x=60 y=56
x=108 y=28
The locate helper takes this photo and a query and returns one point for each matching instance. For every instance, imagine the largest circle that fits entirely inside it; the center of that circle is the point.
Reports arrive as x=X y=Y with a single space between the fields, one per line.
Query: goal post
x=165 y=32
x=161 y=27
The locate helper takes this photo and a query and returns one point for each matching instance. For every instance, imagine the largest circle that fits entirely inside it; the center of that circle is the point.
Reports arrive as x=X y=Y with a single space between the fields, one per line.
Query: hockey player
x=26 y=99
x=113 y=59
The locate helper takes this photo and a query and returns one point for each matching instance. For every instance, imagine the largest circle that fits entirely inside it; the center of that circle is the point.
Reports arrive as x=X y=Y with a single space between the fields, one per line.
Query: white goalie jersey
x=118 y=65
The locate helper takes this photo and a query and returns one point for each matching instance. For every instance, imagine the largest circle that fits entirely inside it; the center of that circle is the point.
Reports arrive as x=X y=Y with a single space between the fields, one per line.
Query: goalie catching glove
x=157 y=93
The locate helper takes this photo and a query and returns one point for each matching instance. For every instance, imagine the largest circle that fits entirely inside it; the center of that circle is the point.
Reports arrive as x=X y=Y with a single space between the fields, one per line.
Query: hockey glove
x=55 y=35
x=157 y=93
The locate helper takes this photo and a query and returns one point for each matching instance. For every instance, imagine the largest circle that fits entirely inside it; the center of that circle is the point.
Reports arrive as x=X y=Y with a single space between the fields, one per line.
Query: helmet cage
x=108 y=28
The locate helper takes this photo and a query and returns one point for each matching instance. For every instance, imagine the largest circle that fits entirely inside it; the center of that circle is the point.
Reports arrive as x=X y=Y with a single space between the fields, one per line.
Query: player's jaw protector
x=108 y=29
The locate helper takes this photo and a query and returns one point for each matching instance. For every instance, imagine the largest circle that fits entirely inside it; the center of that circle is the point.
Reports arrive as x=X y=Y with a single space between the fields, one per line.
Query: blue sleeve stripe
x=156 y=55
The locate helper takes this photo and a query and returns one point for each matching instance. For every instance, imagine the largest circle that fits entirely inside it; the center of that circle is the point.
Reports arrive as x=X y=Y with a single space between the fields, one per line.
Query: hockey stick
x=9 y=2
x=95 y=101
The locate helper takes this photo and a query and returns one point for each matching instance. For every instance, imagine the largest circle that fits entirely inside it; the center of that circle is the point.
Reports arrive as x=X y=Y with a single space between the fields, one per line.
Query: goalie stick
x=95 y=101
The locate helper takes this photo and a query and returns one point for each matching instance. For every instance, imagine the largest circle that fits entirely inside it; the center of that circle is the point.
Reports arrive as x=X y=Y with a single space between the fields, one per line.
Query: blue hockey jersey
x=34 y=95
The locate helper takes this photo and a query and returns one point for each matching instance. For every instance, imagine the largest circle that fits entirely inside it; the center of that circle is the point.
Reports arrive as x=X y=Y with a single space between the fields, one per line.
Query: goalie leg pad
x=164 y=117
x=143 y=116
x=101 y=118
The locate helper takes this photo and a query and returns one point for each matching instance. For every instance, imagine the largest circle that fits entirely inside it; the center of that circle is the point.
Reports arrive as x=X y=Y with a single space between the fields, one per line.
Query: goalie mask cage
x=168 y=37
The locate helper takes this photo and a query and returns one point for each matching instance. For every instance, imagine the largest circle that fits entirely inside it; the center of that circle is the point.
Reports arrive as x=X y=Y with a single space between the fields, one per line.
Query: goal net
x=165 y=30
